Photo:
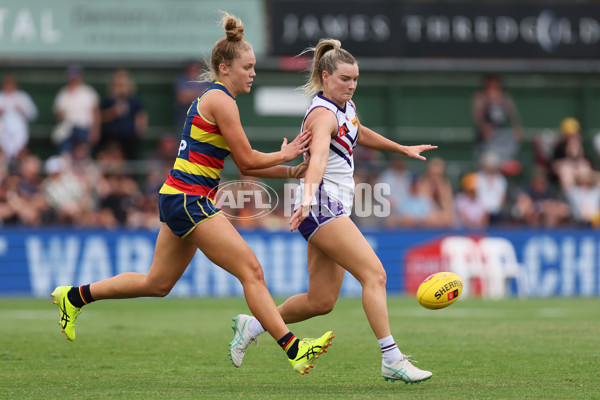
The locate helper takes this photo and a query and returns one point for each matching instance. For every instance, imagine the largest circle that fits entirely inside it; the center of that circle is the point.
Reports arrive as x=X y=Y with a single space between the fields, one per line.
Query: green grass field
x=178 y=349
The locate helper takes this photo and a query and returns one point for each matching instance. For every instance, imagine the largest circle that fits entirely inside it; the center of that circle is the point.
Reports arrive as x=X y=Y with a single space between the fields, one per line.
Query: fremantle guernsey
x=202 y=152
x=338 y=181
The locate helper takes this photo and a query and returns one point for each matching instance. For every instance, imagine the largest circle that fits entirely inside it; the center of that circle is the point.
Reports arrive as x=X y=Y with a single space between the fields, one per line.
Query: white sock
x=255 y=328
x=389 y=350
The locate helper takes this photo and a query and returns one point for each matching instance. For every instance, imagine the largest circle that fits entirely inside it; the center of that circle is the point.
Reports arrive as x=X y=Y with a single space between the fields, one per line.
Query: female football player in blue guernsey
x=190 y=218
x=323 y=203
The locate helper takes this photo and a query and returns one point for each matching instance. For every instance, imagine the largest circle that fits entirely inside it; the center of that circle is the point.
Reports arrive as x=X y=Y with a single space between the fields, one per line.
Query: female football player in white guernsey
x=323 y=202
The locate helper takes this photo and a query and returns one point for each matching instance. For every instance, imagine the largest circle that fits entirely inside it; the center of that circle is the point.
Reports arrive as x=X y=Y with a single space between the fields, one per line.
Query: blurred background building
x=509 y=91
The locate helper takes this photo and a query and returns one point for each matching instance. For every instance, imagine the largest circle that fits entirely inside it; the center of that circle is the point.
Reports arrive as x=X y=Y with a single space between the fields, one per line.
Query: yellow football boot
x=309 y=350
x=68 y=312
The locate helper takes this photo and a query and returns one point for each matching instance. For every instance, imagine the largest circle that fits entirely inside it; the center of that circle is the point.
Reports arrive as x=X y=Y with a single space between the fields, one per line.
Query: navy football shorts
x=183 y=212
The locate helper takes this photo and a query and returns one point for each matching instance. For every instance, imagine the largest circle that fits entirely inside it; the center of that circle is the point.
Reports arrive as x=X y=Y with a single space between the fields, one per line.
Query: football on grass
x=439 y=290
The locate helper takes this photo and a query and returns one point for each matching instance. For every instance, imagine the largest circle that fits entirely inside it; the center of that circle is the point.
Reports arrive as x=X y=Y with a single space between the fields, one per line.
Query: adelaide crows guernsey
x=202 y=152
x=338 y=181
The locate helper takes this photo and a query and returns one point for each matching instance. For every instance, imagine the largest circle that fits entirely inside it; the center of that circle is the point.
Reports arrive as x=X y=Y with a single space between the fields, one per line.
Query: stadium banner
x=492 y=264
x=131 y=30
x=439 y=29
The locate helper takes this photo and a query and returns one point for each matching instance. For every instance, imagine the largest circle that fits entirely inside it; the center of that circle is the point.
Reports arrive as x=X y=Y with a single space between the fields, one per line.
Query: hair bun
x=234 y=29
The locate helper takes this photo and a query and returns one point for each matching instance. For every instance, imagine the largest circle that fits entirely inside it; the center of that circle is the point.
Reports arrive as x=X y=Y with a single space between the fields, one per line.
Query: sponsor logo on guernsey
x=343 y=130
x=355 y=121
x=454 y=286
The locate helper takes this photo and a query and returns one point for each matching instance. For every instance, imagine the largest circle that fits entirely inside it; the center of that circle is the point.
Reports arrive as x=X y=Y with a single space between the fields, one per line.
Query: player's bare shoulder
x=321 y=118
x=217 y=98
x=216 y=104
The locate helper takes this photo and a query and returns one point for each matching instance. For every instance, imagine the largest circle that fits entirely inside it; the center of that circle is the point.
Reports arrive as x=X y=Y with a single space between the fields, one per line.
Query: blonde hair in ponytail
x=327 y=54
x=228 y=48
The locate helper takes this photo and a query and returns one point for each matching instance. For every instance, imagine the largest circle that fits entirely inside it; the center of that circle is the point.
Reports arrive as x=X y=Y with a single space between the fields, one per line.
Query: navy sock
x=289 y=344
x=80 y=296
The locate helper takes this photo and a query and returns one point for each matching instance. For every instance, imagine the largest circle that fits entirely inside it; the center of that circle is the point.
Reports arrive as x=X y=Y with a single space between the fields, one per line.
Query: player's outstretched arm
x=369 y=138
x=279 y=171
x=225 y=113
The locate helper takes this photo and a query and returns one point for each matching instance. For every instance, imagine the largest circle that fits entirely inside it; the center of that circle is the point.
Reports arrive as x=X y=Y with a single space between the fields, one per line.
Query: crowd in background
x=89 y=182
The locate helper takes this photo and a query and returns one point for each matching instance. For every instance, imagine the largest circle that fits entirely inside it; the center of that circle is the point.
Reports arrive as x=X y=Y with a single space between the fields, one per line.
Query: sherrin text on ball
x=439 y=290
